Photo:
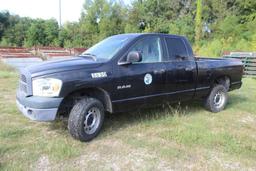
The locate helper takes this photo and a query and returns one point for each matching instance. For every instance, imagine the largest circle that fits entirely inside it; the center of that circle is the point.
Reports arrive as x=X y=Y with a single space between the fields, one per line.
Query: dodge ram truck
x=124 y=72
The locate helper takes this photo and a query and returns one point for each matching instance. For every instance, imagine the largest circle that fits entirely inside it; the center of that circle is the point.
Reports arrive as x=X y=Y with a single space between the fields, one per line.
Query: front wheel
x=217 y=99
x=86 y=119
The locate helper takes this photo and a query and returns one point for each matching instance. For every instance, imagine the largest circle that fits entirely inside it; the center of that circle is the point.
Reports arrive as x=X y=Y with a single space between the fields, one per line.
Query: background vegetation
x=213 y=26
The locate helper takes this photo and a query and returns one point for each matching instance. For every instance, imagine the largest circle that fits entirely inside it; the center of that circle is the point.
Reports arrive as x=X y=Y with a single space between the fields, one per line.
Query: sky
x=45 y=9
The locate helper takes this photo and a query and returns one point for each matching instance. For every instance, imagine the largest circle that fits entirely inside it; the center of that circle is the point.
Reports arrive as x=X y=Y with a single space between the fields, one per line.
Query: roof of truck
x=141 y=34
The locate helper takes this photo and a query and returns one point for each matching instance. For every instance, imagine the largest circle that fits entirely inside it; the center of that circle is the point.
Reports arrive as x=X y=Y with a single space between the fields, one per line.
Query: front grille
x=23 y=88
x=25 y=83
x=23 y=78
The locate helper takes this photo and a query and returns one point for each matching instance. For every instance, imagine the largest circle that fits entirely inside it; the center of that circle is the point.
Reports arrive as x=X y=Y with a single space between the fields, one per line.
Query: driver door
x=142 y=82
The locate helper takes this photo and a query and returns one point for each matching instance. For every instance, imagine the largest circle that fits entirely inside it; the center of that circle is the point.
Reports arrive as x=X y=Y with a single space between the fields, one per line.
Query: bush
x=211 y=49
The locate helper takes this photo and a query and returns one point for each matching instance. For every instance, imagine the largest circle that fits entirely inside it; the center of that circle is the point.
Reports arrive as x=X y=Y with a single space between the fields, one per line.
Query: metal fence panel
x=248 y=59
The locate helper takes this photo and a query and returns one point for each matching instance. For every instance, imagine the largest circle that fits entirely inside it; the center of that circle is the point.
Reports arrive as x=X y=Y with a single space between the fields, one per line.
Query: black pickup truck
x=124 y=72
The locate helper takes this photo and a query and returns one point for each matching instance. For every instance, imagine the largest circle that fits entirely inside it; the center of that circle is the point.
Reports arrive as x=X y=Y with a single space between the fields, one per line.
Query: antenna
x=60 y=13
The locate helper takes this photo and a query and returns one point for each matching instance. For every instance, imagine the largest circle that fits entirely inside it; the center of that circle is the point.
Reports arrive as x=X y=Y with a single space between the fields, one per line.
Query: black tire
x=212 y=99
x=81 y=115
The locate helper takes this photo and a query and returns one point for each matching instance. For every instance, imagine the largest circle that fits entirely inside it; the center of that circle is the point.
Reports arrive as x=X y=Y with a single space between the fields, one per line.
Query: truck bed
x=211 y=68
x=215 y=63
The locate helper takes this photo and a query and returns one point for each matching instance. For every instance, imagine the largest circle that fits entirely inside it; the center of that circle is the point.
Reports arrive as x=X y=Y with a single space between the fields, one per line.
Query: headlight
x=47 y=87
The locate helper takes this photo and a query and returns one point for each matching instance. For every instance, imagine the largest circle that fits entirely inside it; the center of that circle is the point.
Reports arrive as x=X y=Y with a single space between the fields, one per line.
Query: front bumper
x=38 y=108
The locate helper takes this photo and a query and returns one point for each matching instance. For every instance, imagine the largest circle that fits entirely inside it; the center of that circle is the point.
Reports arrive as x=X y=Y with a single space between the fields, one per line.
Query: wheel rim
x=219 y=99
x=92 y=120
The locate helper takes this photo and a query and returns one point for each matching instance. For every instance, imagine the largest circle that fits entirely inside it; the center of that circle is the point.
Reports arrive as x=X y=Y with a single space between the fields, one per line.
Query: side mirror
x=134 y=56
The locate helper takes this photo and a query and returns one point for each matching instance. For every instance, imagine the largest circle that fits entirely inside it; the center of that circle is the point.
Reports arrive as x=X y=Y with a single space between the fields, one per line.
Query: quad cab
x=124 y=72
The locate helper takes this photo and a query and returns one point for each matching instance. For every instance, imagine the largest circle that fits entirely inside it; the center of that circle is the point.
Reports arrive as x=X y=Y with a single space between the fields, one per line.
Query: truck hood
x=50 y=67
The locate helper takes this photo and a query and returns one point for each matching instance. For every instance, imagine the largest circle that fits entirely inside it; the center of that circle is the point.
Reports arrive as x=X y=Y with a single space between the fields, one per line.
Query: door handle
x=161 y=71
x=209 y=74
x=188 y=69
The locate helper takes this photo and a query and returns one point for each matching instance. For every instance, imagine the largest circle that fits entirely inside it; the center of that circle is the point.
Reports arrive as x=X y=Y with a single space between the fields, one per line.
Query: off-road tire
x=77 y=118
x=210 y=102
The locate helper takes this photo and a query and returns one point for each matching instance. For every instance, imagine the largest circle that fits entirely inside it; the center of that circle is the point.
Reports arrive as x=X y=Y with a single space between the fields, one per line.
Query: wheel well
x=223 y=80
x=97 y=93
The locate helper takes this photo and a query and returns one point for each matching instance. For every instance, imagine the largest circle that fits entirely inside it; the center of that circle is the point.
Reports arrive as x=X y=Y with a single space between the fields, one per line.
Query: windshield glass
x=107 y=48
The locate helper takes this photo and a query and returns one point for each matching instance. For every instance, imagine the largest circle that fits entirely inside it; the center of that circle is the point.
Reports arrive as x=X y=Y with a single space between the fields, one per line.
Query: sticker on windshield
x=148 y=79
x=99 y=75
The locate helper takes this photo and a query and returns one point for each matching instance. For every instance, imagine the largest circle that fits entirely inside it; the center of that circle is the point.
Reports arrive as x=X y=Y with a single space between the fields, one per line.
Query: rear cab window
x=176 y=48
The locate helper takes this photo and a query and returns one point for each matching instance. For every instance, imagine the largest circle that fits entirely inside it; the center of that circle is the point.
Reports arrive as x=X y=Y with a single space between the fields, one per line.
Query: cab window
x=150 y=49
x=176 y=48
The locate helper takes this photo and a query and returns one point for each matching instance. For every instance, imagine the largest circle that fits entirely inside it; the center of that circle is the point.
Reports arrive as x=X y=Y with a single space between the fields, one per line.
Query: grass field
x=181 y=137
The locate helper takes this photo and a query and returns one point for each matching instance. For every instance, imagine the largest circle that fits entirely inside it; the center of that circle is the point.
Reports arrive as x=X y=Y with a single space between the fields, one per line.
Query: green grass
x=179 y=137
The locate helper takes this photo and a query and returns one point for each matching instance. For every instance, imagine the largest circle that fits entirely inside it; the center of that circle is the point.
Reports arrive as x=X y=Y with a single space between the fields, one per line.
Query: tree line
x=212 y=26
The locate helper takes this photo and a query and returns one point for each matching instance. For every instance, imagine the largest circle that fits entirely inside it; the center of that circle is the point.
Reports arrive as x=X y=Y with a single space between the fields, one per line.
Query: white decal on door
x=148 y=79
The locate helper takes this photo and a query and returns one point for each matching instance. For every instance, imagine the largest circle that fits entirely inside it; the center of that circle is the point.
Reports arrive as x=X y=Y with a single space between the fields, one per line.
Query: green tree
x=213 y=25
x=36 y=34
x=246 y=9
x=70 y=35
x=112 y=21
x=4 y=22
x=15 y=33
x=51 y=32
x=183 y=26
x=198 y=21
x=101 y=18
x=136 y=15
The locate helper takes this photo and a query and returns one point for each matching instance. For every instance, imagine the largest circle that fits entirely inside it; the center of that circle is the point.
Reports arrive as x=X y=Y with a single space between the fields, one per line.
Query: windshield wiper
x=94 y=57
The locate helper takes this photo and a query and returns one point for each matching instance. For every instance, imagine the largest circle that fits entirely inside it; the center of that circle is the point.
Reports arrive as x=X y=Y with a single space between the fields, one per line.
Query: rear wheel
x=86 y=119
x=217 y=99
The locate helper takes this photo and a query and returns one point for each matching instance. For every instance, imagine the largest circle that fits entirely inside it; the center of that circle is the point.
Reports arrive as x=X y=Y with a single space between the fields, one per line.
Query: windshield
x=107 y=48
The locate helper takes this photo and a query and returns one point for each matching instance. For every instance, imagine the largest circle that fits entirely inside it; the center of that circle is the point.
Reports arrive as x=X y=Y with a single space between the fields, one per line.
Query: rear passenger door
x=181 y=70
